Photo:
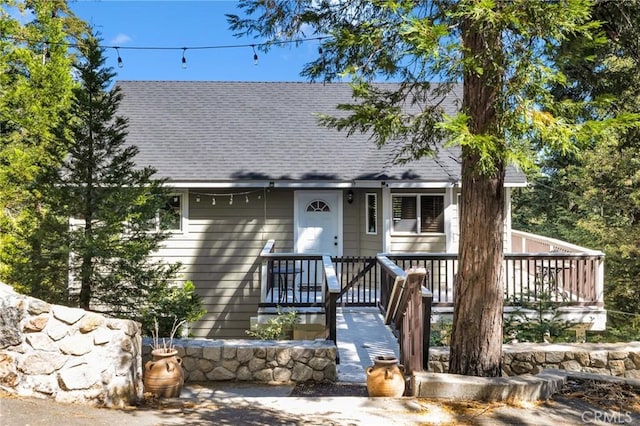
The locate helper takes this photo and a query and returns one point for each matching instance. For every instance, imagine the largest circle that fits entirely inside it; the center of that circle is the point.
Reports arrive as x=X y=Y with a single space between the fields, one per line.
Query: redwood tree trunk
x=476 y=343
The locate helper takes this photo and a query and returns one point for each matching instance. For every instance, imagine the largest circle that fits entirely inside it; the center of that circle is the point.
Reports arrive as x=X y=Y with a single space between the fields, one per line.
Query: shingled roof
x=211 y=132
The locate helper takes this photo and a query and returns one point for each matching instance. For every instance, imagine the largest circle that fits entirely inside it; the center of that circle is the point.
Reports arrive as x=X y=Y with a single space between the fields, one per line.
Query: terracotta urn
x=386 y=377
x=163 y=374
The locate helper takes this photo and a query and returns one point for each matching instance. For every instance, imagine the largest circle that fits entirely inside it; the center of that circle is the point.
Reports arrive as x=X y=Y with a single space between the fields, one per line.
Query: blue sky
x=181 y=23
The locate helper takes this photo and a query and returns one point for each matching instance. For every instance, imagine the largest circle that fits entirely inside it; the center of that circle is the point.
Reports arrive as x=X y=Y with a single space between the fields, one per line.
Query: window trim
x=184 y=203
x=375 y=214
x=417 y=196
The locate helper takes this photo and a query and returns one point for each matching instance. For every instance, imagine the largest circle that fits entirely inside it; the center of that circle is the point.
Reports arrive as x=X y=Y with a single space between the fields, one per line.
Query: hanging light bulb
x=197 y=198
x=184 y=60
x=120 y=63
x=255 y=55
x=213 y=201
x=246 y=198
x=230 y=199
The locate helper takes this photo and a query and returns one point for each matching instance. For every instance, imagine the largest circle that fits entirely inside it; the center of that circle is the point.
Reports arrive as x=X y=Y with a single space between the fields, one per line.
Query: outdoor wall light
x=350 y=196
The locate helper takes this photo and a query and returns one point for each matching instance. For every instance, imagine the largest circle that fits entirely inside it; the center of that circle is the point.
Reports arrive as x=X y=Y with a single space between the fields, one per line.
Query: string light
x=184 y=60
x=255 y=55
x=231 y=195
x=120 y=64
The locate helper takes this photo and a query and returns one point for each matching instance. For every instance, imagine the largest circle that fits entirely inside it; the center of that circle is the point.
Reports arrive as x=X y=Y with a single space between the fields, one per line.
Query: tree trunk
x=476 y=343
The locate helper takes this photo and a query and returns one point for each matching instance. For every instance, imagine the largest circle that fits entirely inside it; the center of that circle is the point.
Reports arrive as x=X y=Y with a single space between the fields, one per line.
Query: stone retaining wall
x=67 y=354
x=264 y=361
x=612 y=359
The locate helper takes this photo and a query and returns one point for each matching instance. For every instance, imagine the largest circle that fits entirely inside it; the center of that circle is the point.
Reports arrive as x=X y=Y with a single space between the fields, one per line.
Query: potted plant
x=163 y=374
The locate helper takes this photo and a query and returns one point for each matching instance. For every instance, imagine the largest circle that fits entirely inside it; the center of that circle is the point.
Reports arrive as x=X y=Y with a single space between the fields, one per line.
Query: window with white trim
x=417 y=214
x=372 y=213
x=170 y=215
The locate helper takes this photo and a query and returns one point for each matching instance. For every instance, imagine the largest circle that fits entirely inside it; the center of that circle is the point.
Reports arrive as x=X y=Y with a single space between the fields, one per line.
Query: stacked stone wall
x=264 y=361
x=67 y=354
x=611 y=359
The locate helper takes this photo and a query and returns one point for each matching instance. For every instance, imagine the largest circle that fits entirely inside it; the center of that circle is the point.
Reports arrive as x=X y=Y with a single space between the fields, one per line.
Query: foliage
x=537 y=318
x=593 y=198
x=278 y=327
x=504 y=53
x=166 y=304
x=440 y=334
x=114 y=205
x=621 y=327
x=35 y=90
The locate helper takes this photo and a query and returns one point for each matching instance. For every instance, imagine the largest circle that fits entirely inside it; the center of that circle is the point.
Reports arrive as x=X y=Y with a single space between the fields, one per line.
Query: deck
x=568 y=276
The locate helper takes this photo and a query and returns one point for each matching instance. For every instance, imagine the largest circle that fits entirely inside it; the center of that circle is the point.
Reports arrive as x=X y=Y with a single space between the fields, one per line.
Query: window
x=372 y=214
x=170 y=214
x=418 y=213
x=318 y=206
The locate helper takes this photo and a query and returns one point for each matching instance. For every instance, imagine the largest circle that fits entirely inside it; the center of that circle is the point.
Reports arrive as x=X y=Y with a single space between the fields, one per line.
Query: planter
x=163 y=375
x=309 y=331
x=385 y=377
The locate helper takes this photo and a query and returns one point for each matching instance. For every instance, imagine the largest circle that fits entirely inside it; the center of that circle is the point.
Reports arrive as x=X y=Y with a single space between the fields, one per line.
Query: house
x=249 y=164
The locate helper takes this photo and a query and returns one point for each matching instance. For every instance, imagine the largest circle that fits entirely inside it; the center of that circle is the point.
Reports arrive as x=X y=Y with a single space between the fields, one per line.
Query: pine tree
x=35 y=88
x=596 y=195
x=115 y=207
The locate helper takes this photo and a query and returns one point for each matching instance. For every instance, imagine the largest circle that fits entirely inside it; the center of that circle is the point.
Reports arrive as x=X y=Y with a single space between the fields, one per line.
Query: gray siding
x=356 y=240
x=220 y=250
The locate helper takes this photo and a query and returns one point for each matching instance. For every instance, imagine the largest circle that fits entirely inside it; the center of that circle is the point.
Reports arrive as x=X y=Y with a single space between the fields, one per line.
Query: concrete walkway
x=362 y=335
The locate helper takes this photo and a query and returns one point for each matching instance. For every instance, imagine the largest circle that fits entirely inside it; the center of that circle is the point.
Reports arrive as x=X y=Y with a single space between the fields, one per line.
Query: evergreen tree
x=35 y=88
x=596 y=194
x=116 y=208
x=502 y=53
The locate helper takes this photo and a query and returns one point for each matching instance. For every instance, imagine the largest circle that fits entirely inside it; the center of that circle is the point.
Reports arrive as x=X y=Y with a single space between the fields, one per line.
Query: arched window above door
x=318 y=206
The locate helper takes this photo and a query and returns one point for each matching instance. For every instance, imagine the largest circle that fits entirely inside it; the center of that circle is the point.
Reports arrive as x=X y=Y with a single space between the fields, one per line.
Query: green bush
x=168 y=305
x=276 y=328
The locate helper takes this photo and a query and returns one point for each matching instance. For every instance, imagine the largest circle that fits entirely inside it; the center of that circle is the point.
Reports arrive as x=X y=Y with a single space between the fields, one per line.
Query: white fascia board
x=315 y=184
x=516 y=185
x=404 y=185
x=253 y=184
x=265 y=184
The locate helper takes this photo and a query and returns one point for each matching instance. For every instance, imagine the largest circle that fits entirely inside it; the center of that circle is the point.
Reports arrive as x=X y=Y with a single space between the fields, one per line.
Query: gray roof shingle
x=195 y=131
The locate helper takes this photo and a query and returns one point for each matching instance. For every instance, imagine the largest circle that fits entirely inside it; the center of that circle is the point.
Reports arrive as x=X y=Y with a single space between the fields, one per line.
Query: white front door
x=318 y=227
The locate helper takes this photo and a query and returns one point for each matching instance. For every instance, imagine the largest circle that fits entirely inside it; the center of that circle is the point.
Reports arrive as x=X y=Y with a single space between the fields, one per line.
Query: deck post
x=599 y=284
x=264 y=272
x=331 y=301
x=427 y=300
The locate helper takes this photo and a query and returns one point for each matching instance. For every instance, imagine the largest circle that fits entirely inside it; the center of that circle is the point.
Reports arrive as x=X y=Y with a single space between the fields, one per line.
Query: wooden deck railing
x=320 y=281
x=407 y=307
x=567 y=278
x=302 y=281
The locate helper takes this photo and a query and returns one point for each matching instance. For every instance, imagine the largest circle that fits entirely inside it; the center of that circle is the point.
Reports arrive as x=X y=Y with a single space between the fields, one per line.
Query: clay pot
x=163 y=375
x=385 y=377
